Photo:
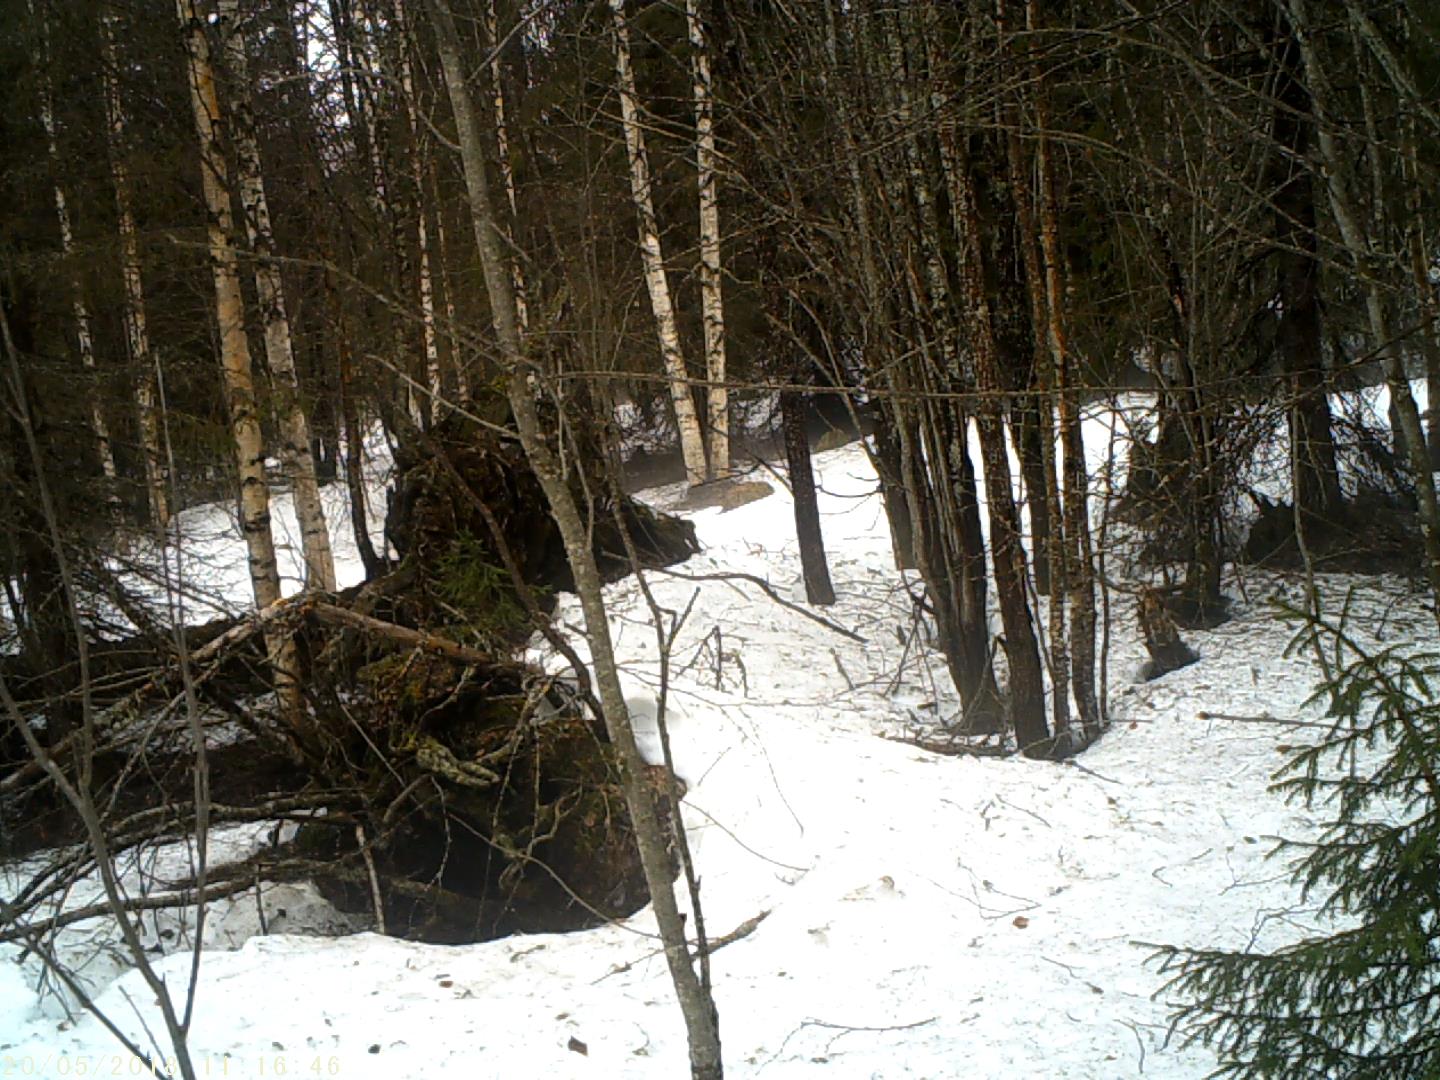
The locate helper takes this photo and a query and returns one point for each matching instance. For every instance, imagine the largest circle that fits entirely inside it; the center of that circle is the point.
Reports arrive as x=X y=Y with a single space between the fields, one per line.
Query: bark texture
x=270 y=288
x=717 y=396
x=818 y=589
x=692 y=446
x=696 y=1004
x=137 y=334
x=235 y=350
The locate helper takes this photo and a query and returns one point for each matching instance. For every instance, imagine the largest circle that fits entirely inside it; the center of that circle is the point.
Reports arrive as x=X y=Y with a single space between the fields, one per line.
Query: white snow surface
x=929 y=916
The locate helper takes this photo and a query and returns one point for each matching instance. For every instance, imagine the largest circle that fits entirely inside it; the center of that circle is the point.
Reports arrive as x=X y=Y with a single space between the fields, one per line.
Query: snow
x=928 y=916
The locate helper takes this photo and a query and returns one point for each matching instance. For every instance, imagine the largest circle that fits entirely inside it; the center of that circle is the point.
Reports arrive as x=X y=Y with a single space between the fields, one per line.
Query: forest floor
x=925 y=915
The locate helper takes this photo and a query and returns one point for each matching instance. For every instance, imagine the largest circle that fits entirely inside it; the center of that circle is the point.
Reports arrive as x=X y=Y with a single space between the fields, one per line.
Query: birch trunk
x=502 y=146
x=692 y=447
x=1358 y=245
x=79 y=309
x=717 y=396
x=137 y=334
x=279 y=350
x=235 y=353
x=422 y=235
x=695 y=1001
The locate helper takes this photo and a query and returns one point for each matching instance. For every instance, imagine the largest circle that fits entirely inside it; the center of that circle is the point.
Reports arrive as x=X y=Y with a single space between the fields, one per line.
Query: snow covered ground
x=928 y=916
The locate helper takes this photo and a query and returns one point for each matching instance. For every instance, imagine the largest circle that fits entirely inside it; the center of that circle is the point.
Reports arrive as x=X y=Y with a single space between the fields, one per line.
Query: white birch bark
x=422 y=234
x=235 y=352
x=269 y=287
x=137 y=334
x=502 y=144
x=717 y=396
x=692 y=448
x=79 y=309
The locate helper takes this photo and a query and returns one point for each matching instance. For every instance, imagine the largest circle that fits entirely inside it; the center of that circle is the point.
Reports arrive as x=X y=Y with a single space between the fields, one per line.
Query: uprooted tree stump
x=491 y=805
x=445 y=788
x=468 y=516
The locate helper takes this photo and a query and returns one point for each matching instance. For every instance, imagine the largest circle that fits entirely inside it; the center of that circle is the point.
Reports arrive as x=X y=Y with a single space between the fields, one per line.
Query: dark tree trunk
x=973 y=586
x=888 y=464
x=44 y=624
x=818 y=589
x=354 y=443
x=1312 y=443
x=1027 y=685
x=1196 y=480
x=940 y=484
x=1027 y=680
x=1025 y=429
x=1083 y=617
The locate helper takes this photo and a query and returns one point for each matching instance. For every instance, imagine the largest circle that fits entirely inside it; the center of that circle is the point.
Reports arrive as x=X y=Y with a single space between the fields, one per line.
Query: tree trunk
x=41 y=616
x=1027 y=685
x=1028 y=432
x=354 y=435
x=889 y=416
x=447 y=290
x=137 y=334
x=359 y=79
x=1425 y=293
x=422 y=234
x=892 y=488
x=818 y=589
x=279 y=350
x=717 y=396
x=1038 y=465
x=692 y=447
x=1078 y=559
x=1358 y=245
x=501 y=110
x=235 y=355
x=79 y=309
x=972 y=584
x=697 y=1006
x=1312 y=443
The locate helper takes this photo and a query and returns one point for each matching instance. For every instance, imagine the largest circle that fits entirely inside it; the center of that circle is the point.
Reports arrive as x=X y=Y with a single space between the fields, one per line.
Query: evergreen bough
x=1364 y=1001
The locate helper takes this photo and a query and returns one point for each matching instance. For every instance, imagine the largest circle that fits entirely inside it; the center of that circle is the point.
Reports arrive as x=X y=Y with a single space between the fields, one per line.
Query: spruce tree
x=1363 y=1001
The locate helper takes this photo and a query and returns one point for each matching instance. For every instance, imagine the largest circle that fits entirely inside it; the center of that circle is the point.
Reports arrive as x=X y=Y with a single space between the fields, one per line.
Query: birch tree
x=269 y=286
x=692 y=447
x=235 y=349
x=500 y=107
x=695 y=1001
x=717 y=395
x=422 y=232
